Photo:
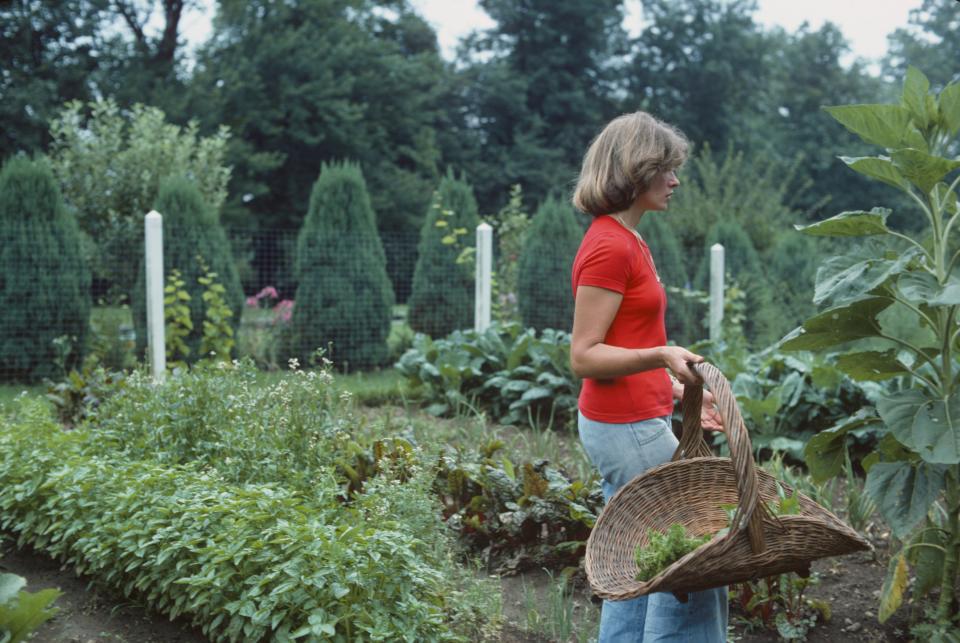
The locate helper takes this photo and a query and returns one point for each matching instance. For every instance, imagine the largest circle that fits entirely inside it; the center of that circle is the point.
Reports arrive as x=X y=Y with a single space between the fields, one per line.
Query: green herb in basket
x=664 y=549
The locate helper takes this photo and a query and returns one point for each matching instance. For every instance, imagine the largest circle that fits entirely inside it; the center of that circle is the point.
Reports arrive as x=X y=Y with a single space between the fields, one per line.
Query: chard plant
x=891 y=309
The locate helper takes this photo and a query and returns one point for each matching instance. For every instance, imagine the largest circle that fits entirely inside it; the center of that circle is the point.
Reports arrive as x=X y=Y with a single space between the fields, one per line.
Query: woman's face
x=657 y=196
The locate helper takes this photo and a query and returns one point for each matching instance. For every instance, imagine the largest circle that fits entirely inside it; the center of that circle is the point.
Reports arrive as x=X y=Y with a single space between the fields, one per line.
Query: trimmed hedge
x=344 y=299
x=543 y=282
x=443 y=288
x=44 y=282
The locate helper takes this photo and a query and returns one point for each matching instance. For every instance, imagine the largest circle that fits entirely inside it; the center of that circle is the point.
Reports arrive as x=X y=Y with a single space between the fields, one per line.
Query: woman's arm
x=594 y=310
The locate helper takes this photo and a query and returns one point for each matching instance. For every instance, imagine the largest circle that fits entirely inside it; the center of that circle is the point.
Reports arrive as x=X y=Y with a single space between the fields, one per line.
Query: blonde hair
x=623 y=160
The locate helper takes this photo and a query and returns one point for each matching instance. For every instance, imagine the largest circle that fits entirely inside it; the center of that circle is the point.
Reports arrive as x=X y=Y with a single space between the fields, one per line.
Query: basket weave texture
x=691 y=490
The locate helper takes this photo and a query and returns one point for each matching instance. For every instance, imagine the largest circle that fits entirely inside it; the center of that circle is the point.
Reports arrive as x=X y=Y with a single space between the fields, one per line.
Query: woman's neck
x=630 y=217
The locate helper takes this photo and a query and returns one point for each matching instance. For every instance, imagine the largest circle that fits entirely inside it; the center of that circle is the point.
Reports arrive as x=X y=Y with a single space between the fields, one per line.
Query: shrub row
x=242 y=561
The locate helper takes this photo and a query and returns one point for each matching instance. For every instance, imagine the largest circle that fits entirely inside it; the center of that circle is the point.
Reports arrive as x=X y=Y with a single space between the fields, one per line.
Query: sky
x=865 y=23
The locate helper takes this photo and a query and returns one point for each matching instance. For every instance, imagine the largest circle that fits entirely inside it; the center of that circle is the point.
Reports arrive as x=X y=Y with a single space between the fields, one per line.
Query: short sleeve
x=606 y=264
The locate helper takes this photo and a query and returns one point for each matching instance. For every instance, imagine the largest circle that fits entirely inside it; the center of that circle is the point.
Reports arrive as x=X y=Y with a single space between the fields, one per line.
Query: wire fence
x=45 y=333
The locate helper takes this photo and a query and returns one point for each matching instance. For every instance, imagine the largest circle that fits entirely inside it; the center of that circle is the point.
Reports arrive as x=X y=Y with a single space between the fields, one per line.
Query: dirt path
x=89 y=614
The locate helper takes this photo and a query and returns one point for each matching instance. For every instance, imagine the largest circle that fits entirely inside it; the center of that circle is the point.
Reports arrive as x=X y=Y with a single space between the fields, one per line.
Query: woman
x=619 y=348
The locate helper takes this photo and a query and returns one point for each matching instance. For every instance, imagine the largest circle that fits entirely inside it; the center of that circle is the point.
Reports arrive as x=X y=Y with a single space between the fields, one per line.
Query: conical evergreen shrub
x=191 y=229
x=44 y=284
x=793 y=264
x=742 y=263
x=681 y=316
x=442 y=299
x=543 y=283
x=344 y=299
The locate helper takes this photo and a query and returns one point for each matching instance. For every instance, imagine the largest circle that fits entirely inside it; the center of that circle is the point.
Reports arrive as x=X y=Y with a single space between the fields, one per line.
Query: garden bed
x=89 y=613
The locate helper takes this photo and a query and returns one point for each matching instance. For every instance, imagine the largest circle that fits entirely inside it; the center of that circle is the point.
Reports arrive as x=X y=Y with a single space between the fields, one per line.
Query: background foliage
x=44 y=282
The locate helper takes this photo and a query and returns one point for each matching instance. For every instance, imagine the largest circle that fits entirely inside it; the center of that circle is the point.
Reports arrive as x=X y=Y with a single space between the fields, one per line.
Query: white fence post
x=156 y=341
x=483 y=290
x=716 y=291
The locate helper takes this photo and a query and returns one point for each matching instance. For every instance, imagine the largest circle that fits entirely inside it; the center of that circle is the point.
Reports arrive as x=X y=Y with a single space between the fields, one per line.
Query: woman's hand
x=710 y=418
x=675 y=358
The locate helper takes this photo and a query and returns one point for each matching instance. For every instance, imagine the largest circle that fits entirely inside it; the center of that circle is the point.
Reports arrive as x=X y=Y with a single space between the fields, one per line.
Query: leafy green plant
x=662 y=549
x=217 y=340
x=22 y=612
x=176 y=316
x=510 y=228
x=80 y=394
x=510 y=373
x=779 y=602
x=892 y=307
x=518 y=513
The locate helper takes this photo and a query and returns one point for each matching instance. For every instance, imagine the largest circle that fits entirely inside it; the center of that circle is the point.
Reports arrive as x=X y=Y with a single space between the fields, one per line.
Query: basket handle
x=750 y=511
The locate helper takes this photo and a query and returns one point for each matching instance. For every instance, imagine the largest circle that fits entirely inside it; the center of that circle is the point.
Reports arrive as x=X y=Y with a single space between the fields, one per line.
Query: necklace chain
x=643 y=249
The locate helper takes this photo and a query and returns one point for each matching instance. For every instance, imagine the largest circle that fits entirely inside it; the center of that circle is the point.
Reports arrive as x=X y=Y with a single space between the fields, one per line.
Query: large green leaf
x=901 y=321
x=29 y=612
x=915 y=90
x=950 y=107
x=877 y=167
x=10 y=584
x=922 y=169
x=850 y=224
x=894 y=587
x=929 y=426
x=825 y=452
x=927 y=561
x=904 y=492
x=837 y=325
x=843 y=278
x=871 y=366
x=883 y=125
x=923 y=288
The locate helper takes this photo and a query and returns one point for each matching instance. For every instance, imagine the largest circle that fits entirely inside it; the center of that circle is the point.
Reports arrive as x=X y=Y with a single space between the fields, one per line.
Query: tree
x=714 y=55
x=300 y=84
x=48 y=53
x=931 y=41
x=193 y=239
x=757 y=193
x=537 y=87
x=806 y=73
x=442 y=299
x=543 y=282
x=672 y=267
x=344 y=301
x=110 y=164
x=44 y=284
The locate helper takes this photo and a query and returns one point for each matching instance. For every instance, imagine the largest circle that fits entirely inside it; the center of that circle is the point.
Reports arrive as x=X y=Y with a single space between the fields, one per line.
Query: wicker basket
x=691 y=490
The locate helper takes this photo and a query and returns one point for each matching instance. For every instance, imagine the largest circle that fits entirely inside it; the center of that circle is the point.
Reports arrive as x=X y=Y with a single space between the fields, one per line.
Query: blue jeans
x=621 y=452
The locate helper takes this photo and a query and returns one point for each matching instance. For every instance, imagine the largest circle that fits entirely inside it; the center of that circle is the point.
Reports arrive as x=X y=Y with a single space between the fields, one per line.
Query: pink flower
x=283 y=311
x=269 y=291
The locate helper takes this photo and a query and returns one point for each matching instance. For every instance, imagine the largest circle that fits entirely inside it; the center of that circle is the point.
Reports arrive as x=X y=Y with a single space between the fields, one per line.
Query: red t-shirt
x=612 y=257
